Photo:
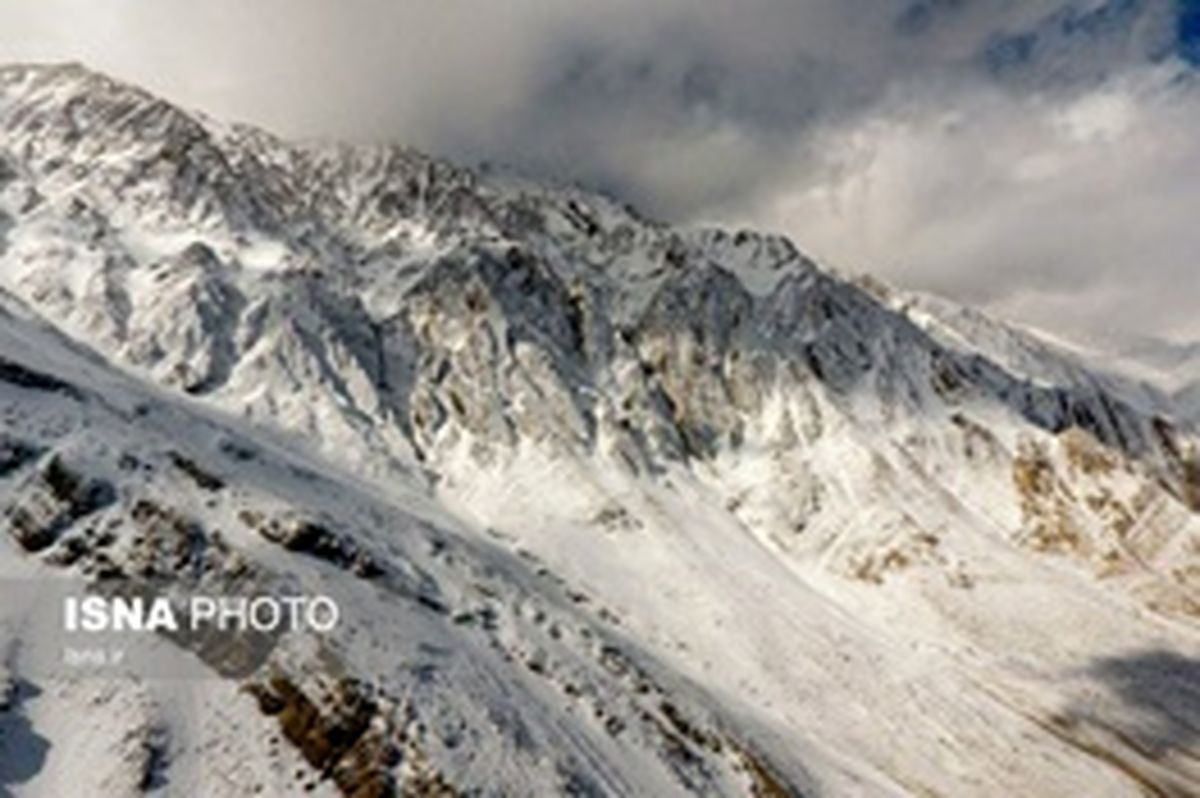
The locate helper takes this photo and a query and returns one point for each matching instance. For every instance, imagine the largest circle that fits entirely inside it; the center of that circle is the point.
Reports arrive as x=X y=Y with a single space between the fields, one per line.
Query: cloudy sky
x=1037 y=157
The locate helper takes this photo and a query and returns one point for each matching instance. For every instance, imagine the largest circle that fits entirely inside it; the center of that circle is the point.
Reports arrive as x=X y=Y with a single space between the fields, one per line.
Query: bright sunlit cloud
x=1038 y=158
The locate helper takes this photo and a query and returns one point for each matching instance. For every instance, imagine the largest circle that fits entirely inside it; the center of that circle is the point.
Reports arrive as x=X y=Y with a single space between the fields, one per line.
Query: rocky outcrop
x=341 y=732
x=51 y=500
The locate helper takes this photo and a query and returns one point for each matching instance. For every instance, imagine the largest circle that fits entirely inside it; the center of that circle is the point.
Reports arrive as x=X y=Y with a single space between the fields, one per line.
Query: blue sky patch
x=1188 y=31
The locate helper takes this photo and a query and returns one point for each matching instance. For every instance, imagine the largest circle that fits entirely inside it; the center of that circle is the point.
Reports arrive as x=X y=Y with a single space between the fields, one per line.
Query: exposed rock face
x=314 y=537
x=395 y=307
x=343 y=733
x=15 y=453
x=53 y=499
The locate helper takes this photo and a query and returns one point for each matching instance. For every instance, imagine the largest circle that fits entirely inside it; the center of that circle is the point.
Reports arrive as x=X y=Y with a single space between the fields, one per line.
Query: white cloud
x=1019 y=155
x=1072 y=215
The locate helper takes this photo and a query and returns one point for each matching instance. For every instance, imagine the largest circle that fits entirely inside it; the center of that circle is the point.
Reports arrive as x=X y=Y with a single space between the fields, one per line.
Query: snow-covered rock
x=614 y=507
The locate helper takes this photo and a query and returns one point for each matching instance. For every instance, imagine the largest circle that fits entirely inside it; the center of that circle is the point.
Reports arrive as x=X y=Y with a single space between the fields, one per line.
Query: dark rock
x=24 y=377
x=51 y=502
x=202 y=478
x=14 y=454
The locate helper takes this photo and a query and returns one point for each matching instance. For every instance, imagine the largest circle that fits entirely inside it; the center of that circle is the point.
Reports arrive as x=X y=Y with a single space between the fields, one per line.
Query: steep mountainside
x=809 y=536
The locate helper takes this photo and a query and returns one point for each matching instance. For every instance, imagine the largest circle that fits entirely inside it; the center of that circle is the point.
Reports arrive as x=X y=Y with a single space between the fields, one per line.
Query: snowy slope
x=1155 y=376
x=616 y=508
x=481 y=663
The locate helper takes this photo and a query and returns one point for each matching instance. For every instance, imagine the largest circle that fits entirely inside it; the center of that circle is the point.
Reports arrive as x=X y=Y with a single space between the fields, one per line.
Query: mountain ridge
x=811 y=503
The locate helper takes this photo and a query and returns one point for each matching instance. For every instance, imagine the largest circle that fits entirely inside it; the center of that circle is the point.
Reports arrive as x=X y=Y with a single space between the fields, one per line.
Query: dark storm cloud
x=1033 y=156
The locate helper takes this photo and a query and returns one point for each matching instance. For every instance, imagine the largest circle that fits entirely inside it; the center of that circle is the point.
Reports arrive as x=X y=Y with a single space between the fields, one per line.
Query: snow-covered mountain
x=1174 y=366
x=614 y=508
